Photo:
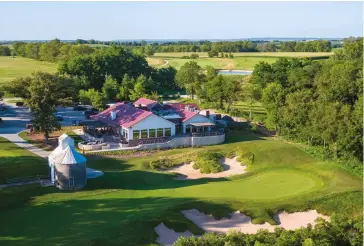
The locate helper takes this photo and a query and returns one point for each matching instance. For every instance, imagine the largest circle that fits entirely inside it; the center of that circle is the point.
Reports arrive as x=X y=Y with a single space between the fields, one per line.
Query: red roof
x=180 y=109
x=144 y=102
x=126 y=115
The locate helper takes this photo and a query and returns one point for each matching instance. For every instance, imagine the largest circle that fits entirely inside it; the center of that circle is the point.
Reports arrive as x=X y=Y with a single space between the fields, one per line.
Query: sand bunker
x=231 y=167
x=167 y=236
x=238 y=222
x=241 y=222
x=296 y=220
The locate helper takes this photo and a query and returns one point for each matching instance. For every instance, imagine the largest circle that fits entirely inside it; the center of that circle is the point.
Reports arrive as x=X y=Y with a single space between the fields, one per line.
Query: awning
x=202 y=124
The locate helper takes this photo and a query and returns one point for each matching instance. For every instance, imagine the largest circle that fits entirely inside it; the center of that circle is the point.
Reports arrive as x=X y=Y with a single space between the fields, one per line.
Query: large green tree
x=45 y=92
x=190 y=77
x=110 y=88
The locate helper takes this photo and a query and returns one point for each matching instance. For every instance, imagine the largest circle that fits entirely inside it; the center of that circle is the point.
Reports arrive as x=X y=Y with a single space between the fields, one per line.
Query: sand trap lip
x=168 y=236
x=238 y=222
x=231 y=167
x=241 y=222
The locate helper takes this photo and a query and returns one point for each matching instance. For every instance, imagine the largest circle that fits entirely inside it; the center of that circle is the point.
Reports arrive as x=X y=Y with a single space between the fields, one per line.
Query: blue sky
x=178 y=20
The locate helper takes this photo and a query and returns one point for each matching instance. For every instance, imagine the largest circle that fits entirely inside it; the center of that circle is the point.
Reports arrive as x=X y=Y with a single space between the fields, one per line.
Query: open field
x=244 y=63
x=250 y=54
x=11 y=68
x=123 y=206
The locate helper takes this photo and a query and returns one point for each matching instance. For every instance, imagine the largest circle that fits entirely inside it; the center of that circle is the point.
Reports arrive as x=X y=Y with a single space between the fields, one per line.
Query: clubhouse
x=148 y=122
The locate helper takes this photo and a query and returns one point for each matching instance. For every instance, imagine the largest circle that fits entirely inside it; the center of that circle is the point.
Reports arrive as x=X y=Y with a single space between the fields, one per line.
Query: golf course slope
x=125 y=205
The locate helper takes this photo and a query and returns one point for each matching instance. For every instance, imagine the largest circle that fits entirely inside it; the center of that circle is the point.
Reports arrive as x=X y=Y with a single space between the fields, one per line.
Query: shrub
x=163 y=162
x=246 y=158
x=208 y=162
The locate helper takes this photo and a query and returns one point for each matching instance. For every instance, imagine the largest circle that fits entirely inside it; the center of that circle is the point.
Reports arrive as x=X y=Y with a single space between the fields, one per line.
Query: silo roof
x=68 y=156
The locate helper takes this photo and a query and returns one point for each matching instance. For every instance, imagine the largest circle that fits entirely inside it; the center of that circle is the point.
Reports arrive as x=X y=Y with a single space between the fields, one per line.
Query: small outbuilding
x=69 y=169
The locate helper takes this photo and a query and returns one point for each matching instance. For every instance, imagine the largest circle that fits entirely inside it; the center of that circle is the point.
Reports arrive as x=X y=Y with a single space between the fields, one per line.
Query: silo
x=69 y=169
x=63 y=141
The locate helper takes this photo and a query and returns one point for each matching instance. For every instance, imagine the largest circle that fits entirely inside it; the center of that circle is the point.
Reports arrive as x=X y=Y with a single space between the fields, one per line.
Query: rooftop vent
x=113 y=115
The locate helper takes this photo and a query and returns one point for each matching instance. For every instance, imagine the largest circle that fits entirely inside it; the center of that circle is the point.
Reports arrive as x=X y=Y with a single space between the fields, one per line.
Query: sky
x=178 y=20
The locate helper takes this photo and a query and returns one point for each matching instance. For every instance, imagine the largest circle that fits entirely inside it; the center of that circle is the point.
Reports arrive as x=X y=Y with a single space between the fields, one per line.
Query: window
x=160 y=132
x=144 y=134
x=152 y=133
x=136 y=134
x=167 y=132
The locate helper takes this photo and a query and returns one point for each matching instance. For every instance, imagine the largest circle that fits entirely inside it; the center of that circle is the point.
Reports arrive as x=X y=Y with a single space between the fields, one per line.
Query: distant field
x=245 y=63
x=11 y=68
x=252 y=54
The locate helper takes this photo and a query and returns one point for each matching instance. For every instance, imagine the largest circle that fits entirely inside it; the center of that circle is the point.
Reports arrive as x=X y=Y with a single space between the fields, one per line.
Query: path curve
x=165 y=64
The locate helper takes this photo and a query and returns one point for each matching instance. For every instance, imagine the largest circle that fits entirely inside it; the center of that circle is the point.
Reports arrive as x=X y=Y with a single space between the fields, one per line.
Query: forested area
x=56 y=50
x=320 y=103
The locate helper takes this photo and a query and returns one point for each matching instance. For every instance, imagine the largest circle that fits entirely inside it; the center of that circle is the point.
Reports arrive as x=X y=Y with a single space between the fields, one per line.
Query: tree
x=46 y=92
x=93 y=97
x=140 y=88
x=110 y=88
x=210 y=73
x=251 y=94
x=127 y=85
x=262 y=74
x=273 y=100
x=189 y=76
x=4 y=51
x=212 y=53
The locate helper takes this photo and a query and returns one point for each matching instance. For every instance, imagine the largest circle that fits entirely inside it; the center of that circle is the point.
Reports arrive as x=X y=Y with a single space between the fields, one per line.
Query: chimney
x=207 y=114
x=113 y=115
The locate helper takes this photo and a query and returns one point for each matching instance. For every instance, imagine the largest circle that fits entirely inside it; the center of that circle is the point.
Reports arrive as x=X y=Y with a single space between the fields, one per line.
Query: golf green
x=269 y=185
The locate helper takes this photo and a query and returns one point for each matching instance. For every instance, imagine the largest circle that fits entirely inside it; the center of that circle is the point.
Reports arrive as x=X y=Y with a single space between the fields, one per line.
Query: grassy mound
x=208 y=162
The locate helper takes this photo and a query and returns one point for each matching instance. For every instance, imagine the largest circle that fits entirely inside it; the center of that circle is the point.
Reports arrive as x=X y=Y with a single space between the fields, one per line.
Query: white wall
x=152 y=122
x=195 y=119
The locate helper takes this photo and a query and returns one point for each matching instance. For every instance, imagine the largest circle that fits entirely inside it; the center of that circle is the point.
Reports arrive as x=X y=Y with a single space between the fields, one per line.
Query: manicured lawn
x=11 y=68
x=16 y=162
x=123 y=206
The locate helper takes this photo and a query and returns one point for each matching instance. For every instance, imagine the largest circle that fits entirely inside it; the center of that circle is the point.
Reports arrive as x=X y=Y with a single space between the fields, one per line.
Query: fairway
x=123 y=206
x=11 y=68
x=251 y=54
x=244 y=63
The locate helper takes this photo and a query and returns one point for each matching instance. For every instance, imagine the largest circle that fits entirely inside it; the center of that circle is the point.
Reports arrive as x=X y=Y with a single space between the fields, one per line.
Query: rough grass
x=123 y=206
x=11 y=68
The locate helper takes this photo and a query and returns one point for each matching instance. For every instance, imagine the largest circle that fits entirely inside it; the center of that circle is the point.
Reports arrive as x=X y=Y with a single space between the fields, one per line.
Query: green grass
x=250 y=54
x=11 y=68
x=244 y=63
x=242 y=60
x=16 y=162
x=123 y=206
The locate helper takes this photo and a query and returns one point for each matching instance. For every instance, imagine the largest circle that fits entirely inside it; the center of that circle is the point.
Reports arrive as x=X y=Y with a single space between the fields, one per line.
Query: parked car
x=79 y=108
x=58 y=117
x=88 y=113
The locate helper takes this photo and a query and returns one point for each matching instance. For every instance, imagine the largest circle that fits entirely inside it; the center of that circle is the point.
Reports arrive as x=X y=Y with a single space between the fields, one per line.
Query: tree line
x=56 y=50
x=320 y=103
